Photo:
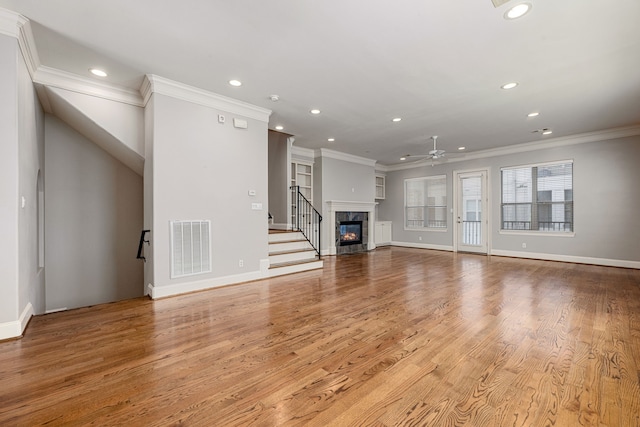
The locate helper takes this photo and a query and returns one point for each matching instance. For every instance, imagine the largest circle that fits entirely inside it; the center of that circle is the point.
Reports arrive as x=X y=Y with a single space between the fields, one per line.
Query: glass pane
x=472 y=205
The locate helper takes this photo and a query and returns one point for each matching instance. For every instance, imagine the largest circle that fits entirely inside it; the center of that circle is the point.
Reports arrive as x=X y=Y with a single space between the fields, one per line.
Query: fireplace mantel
x=351 y=206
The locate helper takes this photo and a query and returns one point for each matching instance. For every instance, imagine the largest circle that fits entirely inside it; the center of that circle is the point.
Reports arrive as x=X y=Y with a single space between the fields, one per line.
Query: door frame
x=486 y=214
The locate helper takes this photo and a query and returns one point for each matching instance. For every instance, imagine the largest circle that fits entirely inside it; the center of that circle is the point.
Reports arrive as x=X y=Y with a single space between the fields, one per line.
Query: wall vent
x=190 y=247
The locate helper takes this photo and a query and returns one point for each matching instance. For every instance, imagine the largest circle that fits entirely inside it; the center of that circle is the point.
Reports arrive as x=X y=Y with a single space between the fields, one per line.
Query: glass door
x=471 y=215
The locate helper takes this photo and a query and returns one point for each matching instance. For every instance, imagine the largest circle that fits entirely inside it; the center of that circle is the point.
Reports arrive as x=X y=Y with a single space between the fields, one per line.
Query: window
x=425 y=203
x=538 y=198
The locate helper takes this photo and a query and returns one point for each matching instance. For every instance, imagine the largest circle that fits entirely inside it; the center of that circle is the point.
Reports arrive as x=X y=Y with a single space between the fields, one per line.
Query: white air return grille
x=190 y=248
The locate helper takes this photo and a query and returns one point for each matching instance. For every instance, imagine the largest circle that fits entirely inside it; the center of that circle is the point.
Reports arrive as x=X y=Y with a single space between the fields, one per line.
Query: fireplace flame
x=350 y=236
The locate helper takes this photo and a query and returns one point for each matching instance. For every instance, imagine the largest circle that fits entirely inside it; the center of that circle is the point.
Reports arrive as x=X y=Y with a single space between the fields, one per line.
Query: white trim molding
x=15 y=25
x=302 y=154
x=156 y=84
x=52 y=77
x=156 y=292
x=348 y=206
x=581 y=138
x=16 y=328
x=568 y=258
x=423 y=246
x=324 y=152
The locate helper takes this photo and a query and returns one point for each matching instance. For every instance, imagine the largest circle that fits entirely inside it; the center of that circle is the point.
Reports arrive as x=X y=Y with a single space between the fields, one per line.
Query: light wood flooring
x=394 y=337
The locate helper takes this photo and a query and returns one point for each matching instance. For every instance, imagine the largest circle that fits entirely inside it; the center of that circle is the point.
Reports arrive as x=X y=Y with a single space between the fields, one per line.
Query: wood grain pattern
x=394 y=337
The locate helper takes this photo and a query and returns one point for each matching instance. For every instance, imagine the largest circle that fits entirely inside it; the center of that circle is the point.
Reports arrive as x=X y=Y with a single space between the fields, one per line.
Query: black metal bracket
x=142 y=240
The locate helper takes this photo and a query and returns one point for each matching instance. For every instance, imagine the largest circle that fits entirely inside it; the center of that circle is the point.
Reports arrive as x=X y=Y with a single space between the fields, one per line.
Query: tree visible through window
x=425 y=202
x=538 y=198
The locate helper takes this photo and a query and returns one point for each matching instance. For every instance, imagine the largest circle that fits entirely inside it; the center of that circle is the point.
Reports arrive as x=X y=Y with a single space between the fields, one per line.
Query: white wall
x=606 y=203
x=204 y=170
x=93 y=220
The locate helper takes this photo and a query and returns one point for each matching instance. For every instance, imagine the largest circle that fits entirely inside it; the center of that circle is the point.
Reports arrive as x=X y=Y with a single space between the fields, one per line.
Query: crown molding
x=325 y=152
x=10 y=22
x=15 y=25
x=582 y=138
x=156 y=84
x=52 y=77
x=301 y=153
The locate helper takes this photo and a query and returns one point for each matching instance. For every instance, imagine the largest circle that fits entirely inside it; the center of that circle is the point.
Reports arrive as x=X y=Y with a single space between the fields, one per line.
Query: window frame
x=538 y=232
x=426 y=207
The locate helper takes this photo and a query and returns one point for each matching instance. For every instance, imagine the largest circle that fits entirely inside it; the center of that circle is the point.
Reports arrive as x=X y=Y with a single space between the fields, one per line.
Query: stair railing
x=306 y=218
x=142 y=241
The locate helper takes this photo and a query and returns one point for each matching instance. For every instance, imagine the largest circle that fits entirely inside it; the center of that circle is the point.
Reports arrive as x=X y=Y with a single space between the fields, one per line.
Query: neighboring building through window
x=538 y=197
x=425 y=203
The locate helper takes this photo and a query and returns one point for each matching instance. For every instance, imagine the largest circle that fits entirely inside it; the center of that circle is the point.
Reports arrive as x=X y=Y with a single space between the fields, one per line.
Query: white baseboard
x=15 y=328
x=200 y=285
x=423 y=246
x=569 y=258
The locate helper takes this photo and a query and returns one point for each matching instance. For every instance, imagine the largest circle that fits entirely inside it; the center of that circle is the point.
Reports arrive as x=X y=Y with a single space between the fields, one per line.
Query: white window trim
x=535 y=232
x=404 y=205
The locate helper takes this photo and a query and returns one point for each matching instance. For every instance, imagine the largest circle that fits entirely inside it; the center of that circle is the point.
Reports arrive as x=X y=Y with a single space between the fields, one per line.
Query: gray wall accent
x=336 y=179
x=21 y=148
x=31 y=155
x=9 y=169
x=606 y=198
x=93 y=220
x=342 y=180
x=279 y=166
x=204 y=170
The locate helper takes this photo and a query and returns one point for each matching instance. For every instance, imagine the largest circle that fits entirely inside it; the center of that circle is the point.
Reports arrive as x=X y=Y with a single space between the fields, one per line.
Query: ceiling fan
x=434 y=154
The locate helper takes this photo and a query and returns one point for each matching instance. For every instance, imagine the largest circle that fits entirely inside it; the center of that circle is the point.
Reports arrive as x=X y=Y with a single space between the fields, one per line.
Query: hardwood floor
x=394 y=337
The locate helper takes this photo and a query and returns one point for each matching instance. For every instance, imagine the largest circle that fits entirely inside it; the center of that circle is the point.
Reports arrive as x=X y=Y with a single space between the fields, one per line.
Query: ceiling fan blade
x=498 y=3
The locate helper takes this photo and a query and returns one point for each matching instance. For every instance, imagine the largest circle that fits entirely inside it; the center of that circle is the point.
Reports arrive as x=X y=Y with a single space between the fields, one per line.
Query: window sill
x=537 y=233
x=437 y=230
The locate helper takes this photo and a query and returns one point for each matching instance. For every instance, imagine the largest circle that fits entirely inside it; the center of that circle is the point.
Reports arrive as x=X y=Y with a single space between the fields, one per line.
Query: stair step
x=289 y=245
x=285 y=236
x=283 y=268
x=292 y=255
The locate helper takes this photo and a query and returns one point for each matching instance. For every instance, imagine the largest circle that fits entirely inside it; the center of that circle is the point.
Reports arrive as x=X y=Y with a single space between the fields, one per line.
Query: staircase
x=290 y=252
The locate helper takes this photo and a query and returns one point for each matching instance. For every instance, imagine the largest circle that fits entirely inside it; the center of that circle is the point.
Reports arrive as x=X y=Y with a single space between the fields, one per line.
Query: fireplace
x=350 y=233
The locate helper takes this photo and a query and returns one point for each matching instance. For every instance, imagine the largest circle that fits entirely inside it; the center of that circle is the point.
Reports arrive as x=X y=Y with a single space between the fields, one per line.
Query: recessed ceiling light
x=279 y=127
x=547 y=132
x=509 y=85
x=98 y=72
x=534 y=114
x=235 y=83
x=331 y=139
x=315 y=111
x=462 y=148
x=517 y=11
x=403 y=158
x=396 y=119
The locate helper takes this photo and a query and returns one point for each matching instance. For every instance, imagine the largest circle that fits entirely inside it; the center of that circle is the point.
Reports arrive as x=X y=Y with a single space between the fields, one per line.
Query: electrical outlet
x=240 y=263
x=524 y=246
x=420 y=238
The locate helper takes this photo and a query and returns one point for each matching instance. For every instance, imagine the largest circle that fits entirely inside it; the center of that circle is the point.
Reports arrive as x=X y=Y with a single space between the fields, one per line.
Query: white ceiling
x=438 y=64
